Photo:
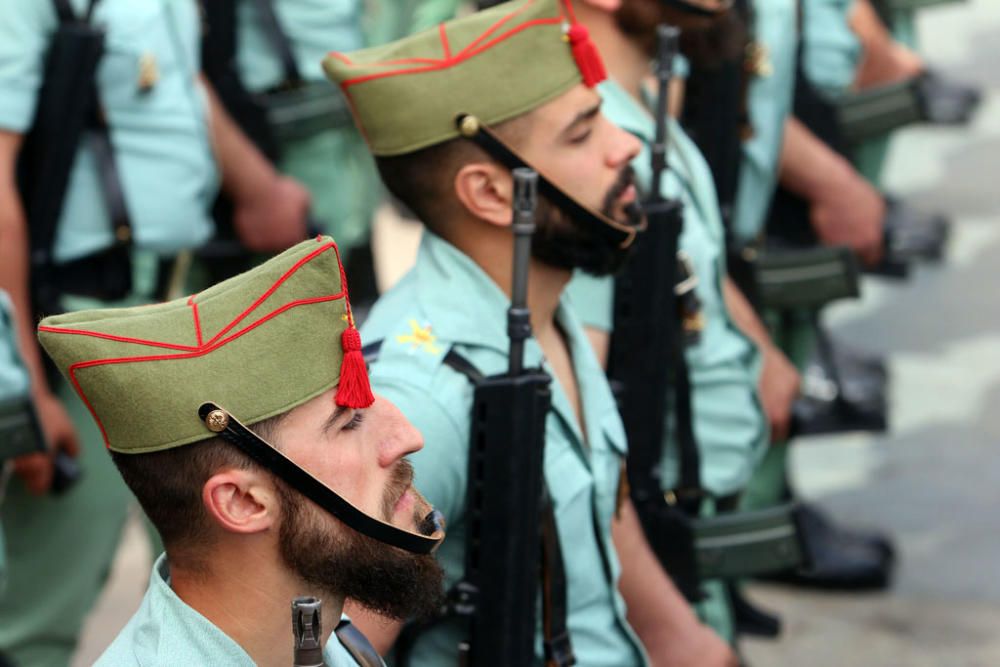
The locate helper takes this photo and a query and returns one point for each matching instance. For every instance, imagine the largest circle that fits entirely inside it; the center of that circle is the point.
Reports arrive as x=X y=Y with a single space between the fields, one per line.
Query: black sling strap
x=279 y=42
x=68 y=110
x=358 y=645
x=555 y=611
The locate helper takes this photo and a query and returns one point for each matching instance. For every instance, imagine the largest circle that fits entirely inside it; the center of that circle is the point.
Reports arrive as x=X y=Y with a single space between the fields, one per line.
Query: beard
x=343 y=562
x=564 y=243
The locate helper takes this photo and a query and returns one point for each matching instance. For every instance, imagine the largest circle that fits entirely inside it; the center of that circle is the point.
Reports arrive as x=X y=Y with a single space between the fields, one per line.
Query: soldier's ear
x=485 y=190
x=239 y=501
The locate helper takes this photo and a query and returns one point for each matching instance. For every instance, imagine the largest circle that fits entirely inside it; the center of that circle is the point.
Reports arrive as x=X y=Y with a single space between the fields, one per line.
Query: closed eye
x=355 y=422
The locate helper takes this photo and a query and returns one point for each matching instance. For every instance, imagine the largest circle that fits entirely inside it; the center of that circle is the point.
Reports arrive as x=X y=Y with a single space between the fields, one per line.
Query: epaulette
x=412 y=352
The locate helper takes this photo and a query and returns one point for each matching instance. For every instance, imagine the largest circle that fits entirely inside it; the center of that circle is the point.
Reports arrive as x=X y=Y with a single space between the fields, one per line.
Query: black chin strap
x=229 y=429
x=614 y=232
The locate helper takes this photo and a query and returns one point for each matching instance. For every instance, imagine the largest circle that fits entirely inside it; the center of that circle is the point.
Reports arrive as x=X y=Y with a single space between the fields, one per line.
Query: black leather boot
x=910 y=236
x=944 y=101
x=750 y=619
x=842 y=559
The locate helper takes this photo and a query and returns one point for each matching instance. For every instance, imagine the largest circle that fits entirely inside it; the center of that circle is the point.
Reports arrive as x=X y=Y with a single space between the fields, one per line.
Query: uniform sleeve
x=440 y=468
x=25 y=29
x=592 y=300
x=831 y=49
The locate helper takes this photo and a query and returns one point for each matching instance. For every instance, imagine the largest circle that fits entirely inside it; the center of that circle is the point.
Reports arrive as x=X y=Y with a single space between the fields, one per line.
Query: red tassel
x=354 y=390
x=587 y=57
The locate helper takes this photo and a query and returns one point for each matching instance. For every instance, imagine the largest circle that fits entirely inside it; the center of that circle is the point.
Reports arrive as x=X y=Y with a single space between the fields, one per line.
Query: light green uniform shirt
x=447 y=302
x=770 y=103
x=160 y=135
x=728 y=419
x=831 y=49
x=166 y=631
x=387 y=20
x=13 y=374
x=14 y=384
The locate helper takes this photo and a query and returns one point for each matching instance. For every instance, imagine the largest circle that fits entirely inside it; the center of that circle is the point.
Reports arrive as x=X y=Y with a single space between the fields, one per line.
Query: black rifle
x=68 y=108
x=507 y=504
x=646 y=364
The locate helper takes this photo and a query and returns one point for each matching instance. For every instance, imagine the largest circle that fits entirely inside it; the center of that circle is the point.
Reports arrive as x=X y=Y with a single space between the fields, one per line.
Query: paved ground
x=936 y=479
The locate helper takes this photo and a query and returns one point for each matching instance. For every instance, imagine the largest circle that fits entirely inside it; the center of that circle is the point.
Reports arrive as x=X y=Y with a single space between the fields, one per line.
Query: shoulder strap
x=110 y=175
x=358 y=645
x=65 y=12
x=452 y=359
x=279 y=41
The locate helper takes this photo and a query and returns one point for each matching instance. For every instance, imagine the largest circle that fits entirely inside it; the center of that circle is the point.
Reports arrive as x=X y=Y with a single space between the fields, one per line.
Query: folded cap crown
x=495 y=64
x=258 y=344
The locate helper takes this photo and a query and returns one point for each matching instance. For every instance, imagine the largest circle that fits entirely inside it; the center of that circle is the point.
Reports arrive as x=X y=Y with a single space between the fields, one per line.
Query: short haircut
x=423 y=180
x=168 y=486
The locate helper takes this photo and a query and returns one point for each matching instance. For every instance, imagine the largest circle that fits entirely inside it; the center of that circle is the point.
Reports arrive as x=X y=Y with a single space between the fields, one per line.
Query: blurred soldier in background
x=742 y=386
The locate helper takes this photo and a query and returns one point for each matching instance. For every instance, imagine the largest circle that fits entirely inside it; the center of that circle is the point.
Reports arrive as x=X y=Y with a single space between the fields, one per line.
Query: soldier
x=162 y=132
x=843 y=209
x=742 y=386
x=240 y=417
x=447 y=113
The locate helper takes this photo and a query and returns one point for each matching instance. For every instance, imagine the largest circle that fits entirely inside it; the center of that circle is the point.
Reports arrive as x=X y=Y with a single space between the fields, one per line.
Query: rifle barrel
x=523 y=227
x=307 y=628
x=667 y=46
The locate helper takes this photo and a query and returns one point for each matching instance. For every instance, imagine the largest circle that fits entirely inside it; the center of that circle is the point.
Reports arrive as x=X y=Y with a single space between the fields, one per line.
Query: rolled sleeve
x=25 y=29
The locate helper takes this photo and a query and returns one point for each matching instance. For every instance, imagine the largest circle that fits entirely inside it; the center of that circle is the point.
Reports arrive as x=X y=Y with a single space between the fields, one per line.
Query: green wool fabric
x=257 y=345
x=406 y=95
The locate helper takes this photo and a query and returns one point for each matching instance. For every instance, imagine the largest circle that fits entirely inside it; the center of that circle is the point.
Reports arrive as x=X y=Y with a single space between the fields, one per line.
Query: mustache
x=400 y=481
x=626 y=179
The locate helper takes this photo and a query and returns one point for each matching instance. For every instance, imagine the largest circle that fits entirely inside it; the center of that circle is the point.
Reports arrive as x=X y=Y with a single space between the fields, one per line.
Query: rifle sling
x=110 y=176
x=558 y=647
x=279 y=42
x=358 y=645
x=555 y=628
x=44 y=234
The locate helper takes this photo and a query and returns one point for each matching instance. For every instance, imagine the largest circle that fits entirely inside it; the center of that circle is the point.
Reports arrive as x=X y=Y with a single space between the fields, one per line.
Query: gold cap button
x=217 y=421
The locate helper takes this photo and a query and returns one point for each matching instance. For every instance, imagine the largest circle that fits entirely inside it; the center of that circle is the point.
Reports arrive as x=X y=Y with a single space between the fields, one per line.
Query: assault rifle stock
x=646 y=362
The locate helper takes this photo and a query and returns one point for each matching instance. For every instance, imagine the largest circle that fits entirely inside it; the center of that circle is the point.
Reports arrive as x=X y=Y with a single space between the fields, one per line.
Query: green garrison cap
x=494 y=65
x=258 y=344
